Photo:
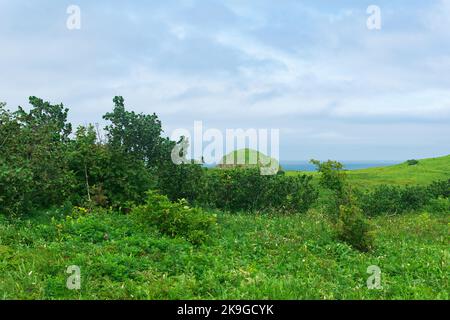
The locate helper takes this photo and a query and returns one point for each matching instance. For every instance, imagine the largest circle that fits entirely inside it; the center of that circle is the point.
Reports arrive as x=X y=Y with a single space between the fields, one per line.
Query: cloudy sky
x=313 y=69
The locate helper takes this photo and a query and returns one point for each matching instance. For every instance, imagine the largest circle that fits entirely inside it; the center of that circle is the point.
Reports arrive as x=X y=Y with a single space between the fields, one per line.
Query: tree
x=135 y=134
x=332 y=176
x=34 y=152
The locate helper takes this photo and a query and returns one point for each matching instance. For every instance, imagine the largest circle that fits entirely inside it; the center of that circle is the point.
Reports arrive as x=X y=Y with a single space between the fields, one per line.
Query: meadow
x=250 y=256
x=424 y=172
x=226 y=233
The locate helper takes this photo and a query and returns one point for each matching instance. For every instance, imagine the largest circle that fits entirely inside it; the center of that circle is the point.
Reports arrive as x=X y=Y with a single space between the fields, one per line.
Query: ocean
x=348 y=165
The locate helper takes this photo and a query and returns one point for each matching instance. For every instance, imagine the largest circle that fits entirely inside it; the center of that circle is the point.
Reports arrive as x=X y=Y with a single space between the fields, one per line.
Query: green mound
x=247 y=158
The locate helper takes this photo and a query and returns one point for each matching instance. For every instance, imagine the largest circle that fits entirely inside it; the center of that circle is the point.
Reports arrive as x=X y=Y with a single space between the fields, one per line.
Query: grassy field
x=249 y=256
x=262 y=257
x=425 y=172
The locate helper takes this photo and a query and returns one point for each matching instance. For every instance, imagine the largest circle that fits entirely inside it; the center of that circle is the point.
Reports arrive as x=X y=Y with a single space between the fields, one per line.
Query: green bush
x=332 y=175
x=441 y=205
x=414 y=198
x=412 y=162
x=15 y=189
x=176 y=219
x=440 y=189
x=353 y=228
x=245 y=189
x=395 y=200
x=183 y=181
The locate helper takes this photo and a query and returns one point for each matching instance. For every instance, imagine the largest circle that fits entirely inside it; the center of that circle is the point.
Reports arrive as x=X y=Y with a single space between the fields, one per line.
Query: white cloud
x=246 y=64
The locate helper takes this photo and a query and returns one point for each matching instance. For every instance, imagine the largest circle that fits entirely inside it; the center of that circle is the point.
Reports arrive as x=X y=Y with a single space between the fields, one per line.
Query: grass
x=425 y=172
x=247 y=158
x=250 y=257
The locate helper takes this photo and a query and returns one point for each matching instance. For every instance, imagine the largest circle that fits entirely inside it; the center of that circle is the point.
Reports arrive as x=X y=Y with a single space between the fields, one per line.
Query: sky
x=312 y=69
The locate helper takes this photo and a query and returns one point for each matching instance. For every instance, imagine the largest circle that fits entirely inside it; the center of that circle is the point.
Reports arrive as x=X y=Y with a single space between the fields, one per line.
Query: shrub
x=183 y=181
x=394 y=200
x=246 y=189
x=332 y=175
x=15 y=189
x=383 y=199
x=440 y=205
x=412 y=162
x=440 y=189
x=414 y=198
x=353 y=228
x=176 y=219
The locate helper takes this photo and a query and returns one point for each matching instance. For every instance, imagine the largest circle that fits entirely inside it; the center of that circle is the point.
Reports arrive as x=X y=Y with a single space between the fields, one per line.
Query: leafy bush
x=183 y=181
x=246 y=189
x=414 y=197
x=412 y=162
x=440 y=189
x=15 y=189
x=395 y=200
x=176 y=219
x=332 y=175
x=441 y=205
x=353 y=228
x=33 y=157
x=383 y=199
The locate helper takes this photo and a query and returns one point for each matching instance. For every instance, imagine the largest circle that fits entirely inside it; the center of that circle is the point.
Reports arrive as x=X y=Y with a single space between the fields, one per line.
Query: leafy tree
x=86 y=158
x=183 y=180
x=135 y=134
x=332 y=176
x=34 y=143
x=106 y=175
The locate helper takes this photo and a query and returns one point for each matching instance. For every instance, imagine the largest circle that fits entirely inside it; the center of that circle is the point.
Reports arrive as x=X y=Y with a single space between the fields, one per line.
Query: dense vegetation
x=141 y=227
x=43 y=165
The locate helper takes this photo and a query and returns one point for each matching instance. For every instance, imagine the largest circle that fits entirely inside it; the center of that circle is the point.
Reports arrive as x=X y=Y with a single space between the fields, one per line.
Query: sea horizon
x=305 y=165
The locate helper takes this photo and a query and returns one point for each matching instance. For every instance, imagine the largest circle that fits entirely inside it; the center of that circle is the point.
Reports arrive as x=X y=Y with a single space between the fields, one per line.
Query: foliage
x=383 y=199
x=353 y=228
x=246 y=189
x=334 y=179
x=440 y=189
x=250 y=257
x=156 y=252
x=176 y=218
x=15 y=189
x=395 y=200
x=412 y=162
x=135 y=134
x=182 y=181
x=439 y=205
x=34 y=151
x=331 y=175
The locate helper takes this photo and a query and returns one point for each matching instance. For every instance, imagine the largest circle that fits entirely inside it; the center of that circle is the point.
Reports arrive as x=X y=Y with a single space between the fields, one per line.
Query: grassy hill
x=246 y=158
x=425 y=172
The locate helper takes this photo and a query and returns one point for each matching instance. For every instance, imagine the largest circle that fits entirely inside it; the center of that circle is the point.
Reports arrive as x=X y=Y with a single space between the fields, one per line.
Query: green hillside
x=425 y=172
x=246 y=158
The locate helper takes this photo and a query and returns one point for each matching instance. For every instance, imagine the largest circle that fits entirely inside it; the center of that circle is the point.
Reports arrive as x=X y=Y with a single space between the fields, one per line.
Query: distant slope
x=425 y=172
x=246 y=158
